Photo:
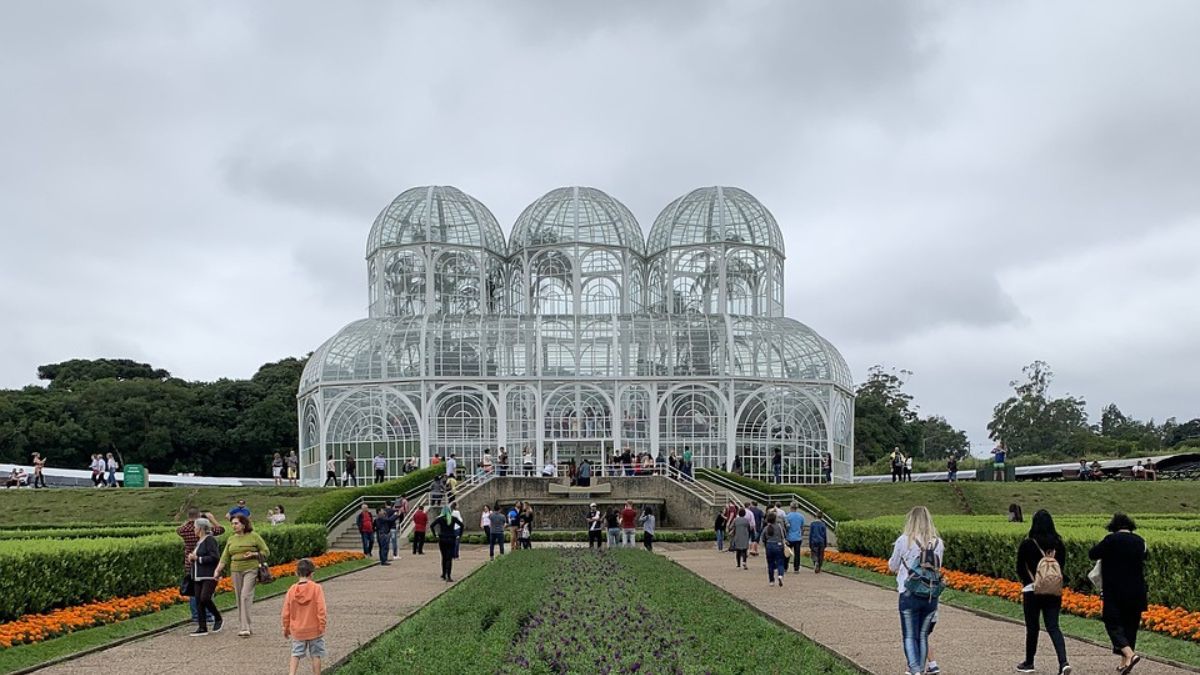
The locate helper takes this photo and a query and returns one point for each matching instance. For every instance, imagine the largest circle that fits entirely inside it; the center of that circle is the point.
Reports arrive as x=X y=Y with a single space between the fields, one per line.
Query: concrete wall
x=674 y=506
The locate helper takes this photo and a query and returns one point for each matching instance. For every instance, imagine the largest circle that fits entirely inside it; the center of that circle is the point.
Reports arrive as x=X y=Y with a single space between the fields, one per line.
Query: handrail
x=734 y=486
x=360 y=500
x=690 y=484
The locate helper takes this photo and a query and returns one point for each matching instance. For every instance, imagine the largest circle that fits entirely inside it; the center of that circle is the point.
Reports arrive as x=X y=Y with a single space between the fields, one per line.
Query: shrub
x=97 y=532
x=44 y=574
x=988 y=545
x=320 y=509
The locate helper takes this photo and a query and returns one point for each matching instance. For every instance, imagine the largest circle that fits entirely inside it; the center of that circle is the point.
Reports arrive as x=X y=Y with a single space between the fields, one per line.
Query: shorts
x=314 y=648
x=998 y=465
x=292 y=473
x=276 y=471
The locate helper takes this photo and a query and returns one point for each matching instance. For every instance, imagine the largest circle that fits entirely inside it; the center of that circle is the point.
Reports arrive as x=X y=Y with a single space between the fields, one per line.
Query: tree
x=1031 y=421
x=884 y=416
x=940 y=439
x=76 y=370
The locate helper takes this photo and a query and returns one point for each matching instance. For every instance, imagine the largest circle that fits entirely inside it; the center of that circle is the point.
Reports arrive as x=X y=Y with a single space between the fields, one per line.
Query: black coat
x=208 y=554
x=1122 y=557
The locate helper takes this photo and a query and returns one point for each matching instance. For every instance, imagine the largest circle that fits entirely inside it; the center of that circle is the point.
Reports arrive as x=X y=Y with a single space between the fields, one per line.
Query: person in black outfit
x=1122 y=556
x=445 y=527
x=1043 y=540
x=204 y=559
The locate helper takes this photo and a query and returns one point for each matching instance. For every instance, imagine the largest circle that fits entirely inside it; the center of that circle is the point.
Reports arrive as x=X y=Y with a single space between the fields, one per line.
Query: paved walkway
x=360 y=606
x=861 y=622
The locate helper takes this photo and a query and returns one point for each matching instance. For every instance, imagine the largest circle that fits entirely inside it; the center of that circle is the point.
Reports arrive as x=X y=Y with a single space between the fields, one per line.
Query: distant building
x=577 y=338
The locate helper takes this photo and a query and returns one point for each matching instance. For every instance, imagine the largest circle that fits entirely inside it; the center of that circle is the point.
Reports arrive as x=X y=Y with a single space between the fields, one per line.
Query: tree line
x=1032 y=423
x=142 y=414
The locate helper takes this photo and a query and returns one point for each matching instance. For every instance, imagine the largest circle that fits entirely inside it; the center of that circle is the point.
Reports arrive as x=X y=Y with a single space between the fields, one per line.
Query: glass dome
x=576 y=215
x=715 y=214
x=435 y=214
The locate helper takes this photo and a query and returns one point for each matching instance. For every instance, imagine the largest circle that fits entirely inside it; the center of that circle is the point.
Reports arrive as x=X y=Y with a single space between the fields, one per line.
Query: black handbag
x=187 y=587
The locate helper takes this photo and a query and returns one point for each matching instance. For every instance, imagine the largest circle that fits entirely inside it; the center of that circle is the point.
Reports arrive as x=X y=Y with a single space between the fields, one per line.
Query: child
x=524 y=536
x=304 y=618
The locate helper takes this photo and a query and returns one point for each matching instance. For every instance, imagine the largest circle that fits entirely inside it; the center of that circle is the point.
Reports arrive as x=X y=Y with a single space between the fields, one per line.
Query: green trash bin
x=135 y=476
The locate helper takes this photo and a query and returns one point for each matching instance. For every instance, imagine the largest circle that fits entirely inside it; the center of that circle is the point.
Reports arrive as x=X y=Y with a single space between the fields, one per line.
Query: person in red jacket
x=420 y=521
x=628 y=525
x=366 y=528
x=304 y=618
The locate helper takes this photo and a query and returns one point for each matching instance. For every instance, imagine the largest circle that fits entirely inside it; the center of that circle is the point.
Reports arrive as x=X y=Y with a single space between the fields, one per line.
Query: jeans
x=379 y=473
x=396 y=542
x=648 y=541
x=916 y=618
x=418 y=543
x=1048 y=606
x=614 y=537
x=384 y=539
x=818 y=555
x=720 y=540
x=495 y=539
x=775 y=560
x=194 y=604
x=739 y=557
x=951 y=476
x=594 y=539
x=457 y=541
x=627 y=537
x=112 y=479
x=778 y=477
x=368 y=542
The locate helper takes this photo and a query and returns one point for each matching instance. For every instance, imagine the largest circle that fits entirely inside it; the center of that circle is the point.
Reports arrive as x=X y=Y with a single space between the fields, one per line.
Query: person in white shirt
x=380 y=465
x=330 y=472
x=908 y=468
x=111 y=465
x=549 y=471
x=527 y=461
x=917 y=612
x=451 y=465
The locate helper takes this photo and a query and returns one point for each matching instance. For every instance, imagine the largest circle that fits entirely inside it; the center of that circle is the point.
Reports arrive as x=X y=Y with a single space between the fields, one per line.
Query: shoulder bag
x=263 y=574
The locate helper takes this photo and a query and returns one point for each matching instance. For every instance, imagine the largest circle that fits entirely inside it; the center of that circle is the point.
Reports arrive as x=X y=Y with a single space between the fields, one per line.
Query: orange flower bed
x=1176 y=622
x=37 y=627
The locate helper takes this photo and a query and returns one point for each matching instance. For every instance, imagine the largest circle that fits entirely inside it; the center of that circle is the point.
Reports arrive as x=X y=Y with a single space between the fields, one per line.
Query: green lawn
x=584 y=611
x=25 y=656
x=1154 y=644
x=142 y=505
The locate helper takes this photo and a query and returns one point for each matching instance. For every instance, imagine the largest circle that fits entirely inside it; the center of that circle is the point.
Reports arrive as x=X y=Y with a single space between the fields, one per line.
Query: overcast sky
x=964 y=187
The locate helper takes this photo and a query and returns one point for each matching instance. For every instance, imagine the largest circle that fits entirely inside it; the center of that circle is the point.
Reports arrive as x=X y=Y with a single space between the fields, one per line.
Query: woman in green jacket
x=243 y=552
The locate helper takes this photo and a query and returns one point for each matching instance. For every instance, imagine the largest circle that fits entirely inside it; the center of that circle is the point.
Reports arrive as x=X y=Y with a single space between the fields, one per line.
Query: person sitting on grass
x=304 y=618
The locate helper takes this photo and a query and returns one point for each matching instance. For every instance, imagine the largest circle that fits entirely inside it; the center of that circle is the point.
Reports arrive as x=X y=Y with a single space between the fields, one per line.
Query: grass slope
x=644 y=611
x=853 y=502
x=142 y=505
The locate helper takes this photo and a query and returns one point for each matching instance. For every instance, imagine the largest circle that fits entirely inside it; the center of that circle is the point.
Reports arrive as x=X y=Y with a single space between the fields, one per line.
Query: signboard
x=135 y=476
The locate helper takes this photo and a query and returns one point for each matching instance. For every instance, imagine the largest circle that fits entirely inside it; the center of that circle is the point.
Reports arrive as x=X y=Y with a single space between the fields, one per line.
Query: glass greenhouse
x=575 y=339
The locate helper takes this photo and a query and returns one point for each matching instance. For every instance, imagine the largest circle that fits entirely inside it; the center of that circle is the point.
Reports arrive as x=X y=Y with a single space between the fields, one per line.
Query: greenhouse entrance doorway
x=569 y=454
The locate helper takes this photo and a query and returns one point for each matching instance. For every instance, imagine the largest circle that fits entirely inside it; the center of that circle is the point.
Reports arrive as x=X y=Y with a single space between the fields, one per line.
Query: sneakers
x=931 y=668
x=217 y=625
x=1025 y=667
x=781 y=582
x=198 y=633
x=1065 y=670
x=243 y=633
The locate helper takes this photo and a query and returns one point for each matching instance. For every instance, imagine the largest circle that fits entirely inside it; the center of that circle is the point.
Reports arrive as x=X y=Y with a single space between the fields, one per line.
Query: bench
x=560 y=489
x=1070 y=474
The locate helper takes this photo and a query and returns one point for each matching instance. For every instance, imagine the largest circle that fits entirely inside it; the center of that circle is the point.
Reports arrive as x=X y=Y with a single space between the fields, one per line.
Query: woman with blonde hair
x=917 y=561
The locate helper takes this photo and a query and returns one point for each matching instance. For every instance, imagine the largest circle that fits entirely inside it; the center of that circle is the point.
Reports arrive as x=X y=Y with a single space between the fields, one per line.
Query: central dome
x=576 y=215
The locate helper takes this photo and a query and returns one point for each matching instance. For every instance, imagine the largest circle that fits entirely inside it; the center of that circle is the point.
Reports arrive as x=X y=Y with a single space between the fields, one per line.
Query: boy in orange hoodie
x=304 y=618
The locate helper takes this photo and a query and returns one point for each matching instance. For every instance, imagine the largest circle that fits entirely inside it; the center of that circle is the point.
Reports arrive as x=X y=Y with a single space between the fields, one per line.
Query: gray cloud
x=963 y=188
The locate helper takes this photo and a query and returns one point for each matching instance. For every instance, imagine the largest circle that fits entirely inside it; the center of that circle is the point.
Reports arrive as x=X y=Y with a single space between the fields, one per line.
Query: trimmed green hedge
x=663 y=536
x=988 y=545
x=82 y=526
x=830 y=507
x=99 y=532
x=320 y=509
x=44 y=574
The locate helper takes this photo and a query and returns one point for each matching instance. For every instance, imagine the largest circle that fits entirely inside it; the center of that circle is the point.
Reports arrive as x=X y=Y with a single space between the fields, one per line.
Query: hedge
x=827 y=505
x=81 y=526
x=663 y=536
x=97 y=532
x=320 y=509
x=988 y=545
x=45 y=574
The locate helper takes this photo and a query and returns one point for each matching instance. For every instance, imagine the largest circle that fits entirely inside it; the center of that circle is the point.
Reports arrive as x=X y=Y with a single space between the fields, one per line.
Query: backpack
x=1048 y=579
x=925 y=574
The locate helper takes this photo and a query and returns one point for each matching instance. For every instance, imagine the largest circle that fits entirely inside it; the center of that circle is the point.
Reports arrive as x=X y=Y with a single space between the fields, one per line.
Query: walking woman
x=445 y=527
x=1122 y=556
x=772 y=536
x=739 y=539
x=647 y=521
x=204 y=559
x=1045 y=597
x=917 y=554
x=243 y=552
